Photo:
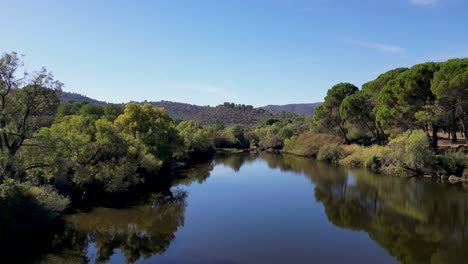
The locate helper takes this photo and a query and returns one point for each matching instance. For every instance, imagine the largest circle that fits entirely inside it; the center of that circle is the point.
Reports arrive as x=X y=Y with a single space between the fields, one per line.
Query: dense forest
x=56 y=155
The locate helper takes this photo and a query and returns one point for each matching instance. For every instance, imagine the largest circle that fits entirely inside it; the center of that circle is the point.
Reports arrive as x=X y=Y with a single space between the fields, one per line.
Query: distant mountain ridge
x=79 y=97
x=227 y=113
x=300 y=109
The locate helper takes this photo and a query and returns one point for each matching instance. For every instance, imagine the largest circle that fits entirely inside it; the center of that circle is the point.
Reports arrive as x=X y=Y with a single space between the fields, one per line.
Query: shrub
x=409 y=153
x=22 y=195
x=452 y=163
x=309 y=144
x=359 y=156
x=28 y=219
x=331 y=152
x=48 y=197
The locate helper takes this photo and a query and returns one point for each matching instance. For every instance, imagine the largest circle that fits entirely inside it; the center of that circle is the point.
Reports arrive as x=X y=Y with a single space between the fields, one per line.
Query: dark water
x=264 y=208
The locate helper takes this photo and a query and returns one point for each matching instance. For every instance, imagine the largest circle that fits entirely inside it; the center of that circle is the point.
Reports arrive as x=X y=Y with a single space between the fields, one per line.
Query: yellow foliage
x=360 y=156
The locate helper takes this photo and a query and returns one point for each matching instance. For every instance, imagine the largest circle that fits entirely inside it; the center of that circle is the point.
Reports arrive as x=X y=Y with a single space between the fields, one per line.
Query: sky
x=207 y=52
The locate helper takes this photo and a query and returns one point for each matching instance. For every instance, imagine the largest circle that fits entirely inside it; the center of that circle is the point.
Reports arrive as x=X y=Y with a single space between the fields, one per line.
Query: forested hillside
x=180 y=111
x=300 y=109
x=227 y=114
x=230 y=113
x=80 y=98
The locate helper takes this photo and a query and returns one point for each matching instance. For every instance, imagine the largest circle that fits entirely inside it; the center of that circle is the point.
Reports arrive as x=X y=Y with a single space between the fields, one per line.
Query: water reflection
x=414 y=220
x=235 y=161
x=136 y=232
x=194 y=173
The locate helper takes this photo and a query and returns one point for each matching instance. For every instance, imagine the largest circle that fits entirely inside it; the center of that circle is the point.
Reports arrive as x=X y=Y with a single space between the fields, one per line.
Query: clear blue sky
x=245 y=51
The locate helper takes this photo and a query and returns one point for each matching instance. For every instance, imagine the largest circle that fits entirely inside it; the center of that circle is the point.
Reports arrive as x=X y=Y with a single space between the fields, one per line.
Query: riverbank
x=406 y=156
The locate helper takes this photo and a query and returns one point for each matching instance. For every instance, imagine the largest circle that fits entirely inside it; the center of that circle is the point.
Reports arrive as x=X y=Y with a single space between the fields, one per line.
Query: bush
x=409 y=153
x=196 y=138
x=48 y=197
x=28 y=219
x=21 y=194
x=331 y=152
x=452 y=163
x=309 y=144
x=359 y=156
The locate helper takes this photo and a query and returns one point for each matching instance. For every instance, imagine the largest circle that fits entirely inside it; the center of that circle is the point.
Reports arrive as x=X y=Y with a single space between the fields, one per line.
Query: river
x=267 y=208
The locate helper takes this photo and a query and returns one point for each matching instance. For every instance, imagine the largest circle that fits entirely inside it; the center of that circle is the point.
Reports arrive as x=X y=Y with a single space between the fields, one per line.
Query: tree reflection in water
x=137 y=232
x=415 y=220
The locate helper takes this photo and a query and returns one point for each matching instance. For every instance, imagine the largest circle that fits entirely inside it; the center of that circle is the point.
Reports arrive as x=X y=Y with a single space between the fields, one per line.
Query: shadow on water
x=415 y=220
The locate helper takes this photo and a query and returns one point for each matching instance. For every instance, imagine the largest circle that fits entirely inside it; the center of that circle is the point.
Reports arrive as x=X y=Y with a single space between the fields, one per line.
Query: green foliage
x=327 y=117
x=27 y=103
x=310 y=144
x=47 y=196
x=272 y=133
x=27 y=219
x=410 y=154
x=92 y=110
x=452 y=163
x=235 y=135
x=69 y=107
x=450 y=85
x=231 y=114
x=356 y=109
x=112 y=111
x=44 y=198
x=90 y=153
x=374 y=87
x=152 y=127
x=402 y=97
x=360 y=156
x=300 y=109
x=197 y=139
x=87 y=152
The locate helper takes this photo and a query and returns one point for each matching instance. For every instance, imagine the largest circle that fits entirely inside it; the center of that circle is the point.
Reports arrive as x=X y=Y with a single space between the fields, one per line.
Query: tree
x=327 y=117
x=450 y=84
x=402 y=98
x=89 y=154
x=356 y=109
x=151 y=126
x=112 y=111
x=374 y=87
x=197 y=138
x=26 y=104
x=371 y=91
x=235 y=134
x=92 y=110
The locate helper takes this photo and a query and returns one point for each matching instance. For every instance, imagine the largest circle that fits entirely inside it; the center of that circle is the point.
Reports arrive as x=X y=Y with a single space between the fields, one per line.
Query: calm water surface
x=252 y=208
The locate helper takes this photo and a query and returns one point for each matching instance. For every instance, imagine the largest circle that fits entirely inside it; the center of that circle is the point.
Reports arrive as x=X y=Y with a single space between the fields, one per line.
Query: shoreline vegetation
x=58 y=156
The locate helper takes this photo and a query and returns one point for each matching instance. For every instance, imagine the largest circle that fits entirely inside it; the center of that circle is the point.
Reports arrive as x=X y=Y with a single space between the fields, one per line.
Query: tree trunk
x=454 y=136
x=344 y=130
x=434 y=142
